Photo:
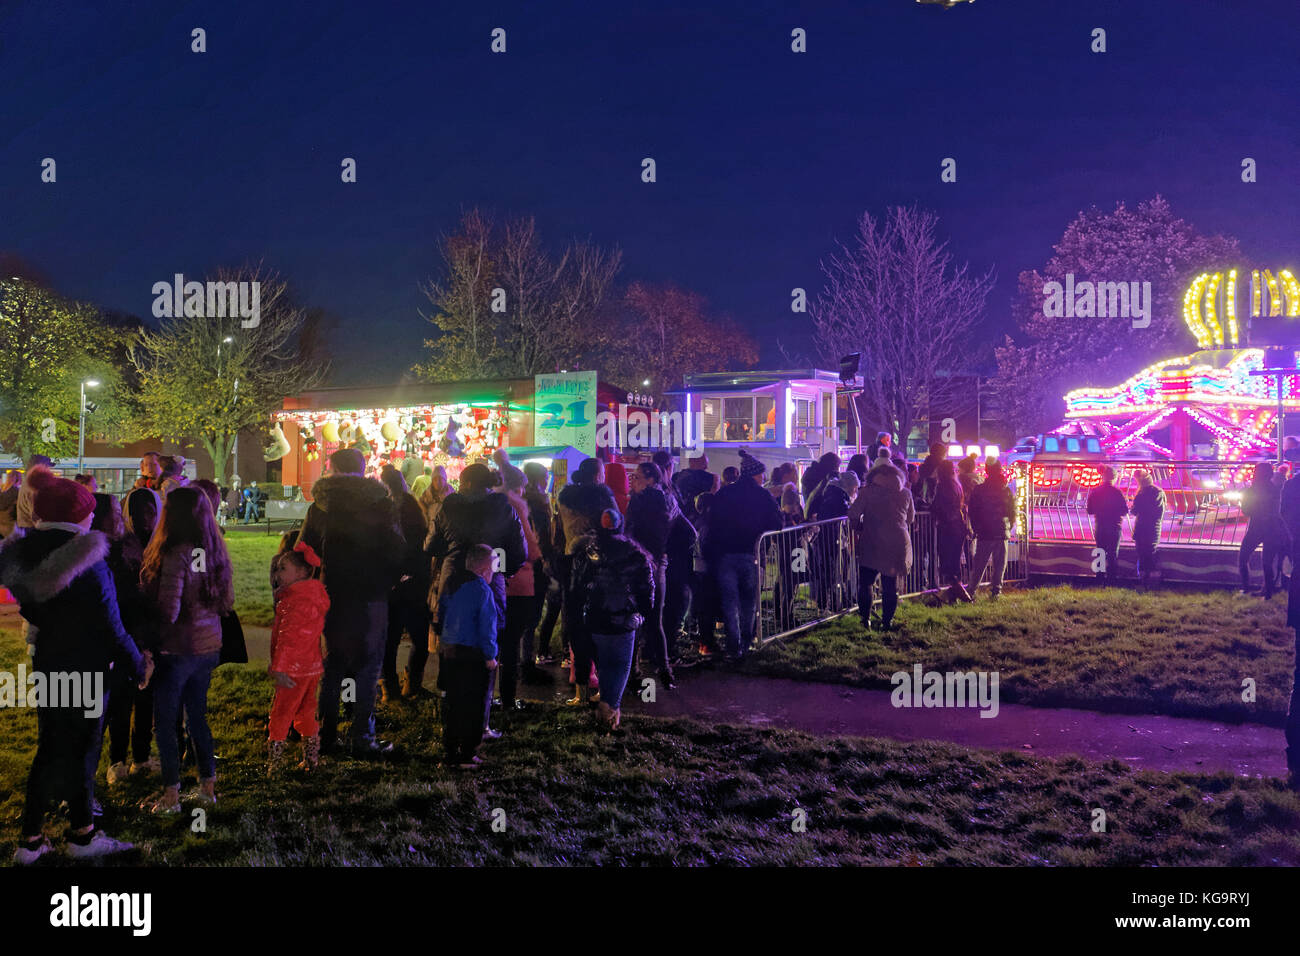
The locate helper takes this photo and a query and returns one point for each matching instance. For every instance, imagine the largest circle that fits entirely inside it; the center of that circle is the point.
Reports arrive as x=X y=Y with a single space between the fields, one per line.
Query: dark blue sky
x=169 y=161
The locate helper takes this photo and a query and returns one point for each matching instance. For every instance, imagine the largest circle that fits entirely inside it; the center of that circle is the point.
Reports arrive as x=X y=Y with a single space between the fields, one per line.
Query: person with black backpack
x=614 y=587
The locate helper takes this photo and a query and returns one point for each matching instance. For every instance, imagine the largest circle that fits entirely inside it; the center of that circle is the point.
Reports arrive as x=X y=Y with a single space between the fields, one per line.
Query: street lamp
x=81 y=425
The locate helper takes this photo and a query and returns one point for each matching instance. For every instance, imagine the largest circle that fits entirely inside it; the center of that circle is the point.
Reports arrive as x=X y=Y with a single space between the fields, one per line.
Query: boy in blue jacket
x=469 y=650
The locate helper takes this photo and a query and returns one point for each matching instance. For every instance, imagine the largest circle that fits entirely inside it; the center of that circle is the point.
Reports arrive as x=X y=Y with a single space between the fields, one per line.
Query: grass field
x=672 y=792
x=250 y=554
x=1179 y=653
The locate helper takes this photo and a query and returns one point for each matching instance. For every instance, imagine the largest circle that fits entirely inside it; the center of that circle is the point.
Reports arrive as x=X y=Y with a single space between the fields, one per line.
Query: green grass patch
x=250 y=556
x=671 y=792
x=1170 y=652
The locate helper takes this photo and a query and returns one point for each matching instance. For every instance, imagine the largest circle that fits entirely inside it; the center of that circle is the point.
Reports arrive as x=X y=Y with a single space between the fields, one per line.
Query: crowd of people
x=627 y=573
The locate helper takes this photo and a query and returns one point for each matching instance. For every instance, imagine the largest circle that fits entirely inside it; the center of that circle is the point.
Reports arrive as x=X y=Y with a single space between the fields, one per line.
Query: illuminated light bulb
x=1230 y=306
x=1212 y=325
x=1292 y=291
x=1255 y=292
x=1274 y=297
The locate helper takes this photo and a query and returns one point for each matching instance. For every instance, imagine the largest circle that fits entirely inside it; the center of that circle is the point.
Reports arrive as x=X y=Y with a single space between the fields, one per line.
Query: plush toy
x=347 y=433
x=330 y=431
x=279 y=445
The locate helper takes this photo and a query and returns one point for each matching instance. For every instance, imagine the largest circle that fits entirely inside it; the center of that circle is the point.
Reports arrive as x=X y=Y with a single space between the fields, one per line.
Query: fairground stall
x=549 y=418
x=1198 y=423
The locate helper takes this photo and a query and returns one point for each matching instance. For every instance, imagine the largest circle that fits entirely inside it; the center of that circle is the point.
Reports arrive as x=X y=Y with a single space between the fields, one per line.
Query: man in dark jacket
x=1261 y=503
x=614 y=590
x=1107 y=506
x=581 y=503
x=1148 y=511
x=59 y=575
x=352 y=524
x=653 y=518
x=738 y=516
x=992 y=510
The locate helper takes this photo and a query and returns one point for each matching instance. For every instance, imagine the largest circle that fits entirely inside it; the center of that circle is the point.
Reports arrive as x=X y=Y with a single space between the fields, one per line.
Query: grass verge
x=672 y=792
x=1180 y=653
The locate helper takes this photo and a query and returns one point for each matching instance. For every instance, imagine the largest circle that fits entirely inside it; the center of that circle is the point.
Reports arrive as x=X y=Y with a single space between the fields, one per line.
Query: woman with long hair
x=948 y=507
x=130 y=711
x=187 y=576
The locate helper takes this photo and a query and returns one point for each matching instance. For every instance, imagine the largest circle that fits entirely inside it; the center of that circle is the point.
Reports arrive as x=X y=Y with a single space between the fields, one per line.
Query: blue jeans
x=182 y=681
x=738 y=590
x=613 y=664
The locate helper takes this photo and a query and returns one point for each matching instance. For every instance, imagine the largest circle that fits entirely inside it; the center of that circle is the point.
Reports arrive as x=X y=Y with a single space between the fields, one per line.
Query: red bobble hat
x=63 y=500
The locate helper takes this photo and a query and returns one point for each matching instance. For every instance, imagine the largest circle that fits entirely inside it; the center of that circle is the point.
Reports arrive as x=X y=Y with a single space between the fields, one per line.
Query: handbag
x=234 y=650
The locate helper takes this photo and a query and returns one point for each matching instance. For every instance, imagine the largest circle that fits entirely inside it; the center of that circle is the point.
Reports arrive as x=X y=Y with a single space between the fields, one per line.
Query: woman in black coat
x=948 y=508
x=58 y=573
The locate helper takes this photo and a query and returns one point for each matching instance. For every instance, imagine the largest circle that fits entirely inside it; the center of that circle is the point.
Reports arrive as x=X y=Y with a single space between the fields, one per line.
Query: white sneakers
x=101 y=844
x=25 y=856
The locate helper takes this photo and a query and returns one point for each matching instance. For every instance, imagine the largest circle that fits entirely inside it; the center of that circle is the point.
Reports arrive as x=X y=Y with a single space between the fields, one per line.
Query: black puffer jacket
x=352 y=525
x=650 y=517
x=466 y=519
x=612 y=583
x=65 y=589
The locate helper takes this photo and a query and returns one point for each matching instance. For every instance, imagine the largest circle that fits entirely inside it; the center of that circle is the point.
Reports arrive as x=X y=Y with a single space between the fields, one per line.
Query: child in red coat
x=296 y=664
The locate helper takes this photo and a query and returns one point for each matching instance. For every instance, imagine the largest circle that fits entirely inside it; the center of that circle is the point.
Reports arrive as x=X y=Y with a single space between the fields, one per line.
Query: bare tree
x=507 y=307
x=895 y=296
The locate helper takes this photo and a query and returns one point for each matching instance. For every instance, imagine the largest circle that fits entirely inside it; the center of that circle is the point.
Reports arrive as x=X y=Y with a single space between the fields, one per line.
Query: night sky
x=171 y=161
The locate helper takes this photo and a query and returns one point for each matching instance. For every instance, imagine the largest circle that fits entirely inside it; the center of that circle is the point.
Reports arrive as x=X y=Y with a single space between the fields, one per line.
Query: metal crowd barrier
x=1202 y=500
x=808 y=574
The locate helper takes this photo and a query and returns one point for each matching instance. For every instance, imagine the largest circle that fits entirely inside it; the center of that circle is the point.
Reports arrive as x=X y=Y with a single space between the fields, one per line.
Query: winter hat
x=348 y=461
x=882 y=454
x=63 y=500
x=993 y=468
x=849 y=483
x=750 y=466
x=611 y=520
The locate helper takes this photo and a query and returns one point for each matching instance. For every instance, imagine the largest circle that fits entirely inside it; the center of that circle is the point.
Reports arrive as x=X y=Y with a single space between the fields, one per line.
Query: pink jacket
x=521 y=584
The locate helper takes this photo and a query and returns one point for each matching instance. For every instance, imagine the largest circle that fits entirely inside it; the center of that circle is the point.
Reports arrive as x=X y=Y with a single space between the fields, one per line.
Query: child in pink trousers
x=296 y=663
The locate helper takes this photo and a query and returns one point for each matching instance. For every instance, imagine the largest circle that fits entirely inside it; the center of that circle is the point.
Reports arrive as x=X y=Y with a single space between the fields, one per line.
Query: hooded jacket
x=612 y=583
x=300 y=610
x=469 y=518
x=882 y=516
x=64 y=588
x=352 y=525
